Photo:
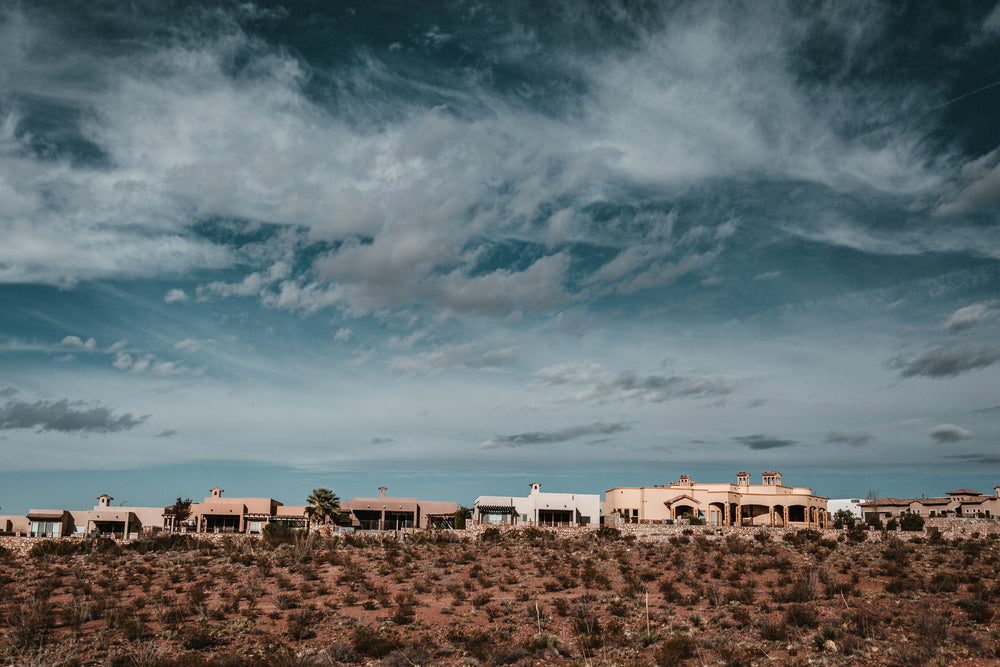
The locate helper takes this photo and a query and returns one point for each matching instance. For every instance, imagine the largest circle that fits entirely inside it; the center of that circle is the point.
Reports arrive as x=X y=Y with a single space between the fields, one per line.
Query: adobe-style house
x=539 y=509
x=104 y=520
x=769 y=503
x=959 y=504
x=388 y=513
x=234 y=515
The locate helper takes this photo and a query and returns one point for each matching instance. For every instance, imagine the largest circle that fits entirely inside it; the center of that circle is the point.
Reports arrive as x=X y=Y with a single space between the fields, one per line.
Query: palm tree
x=323 y=504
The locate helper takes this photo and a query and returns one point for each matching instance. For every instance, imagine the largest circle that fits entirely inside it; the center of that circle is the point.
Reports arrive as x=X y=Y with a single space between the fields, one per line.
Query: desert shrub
x=28 y=623
x=479 y=643
x=287 y=600
x=693 y=519
x=875 y=522
x=762 y=536
x=901 y=584
x=675 y=651
x=843 y=519
x=373 y=642
x=772 y=630
x=537 y=535
x=857 y=532
x=802 y=615
x=491 y=535
x=482 y=599
x=942 y=582
x=669 y=591
x=979 y=610
x=276 y=533
x=862 y=622
x=197 y=636
x=587 y=627
x=892 y=524
x=301 y=624
x=911 y=522
x=607 y=533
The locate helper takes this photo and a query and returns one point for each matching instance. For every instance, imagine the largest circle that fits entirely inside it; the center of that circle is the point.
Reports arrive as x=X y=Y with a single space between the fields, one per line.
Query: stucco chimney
x=381 y=491
x=535 y=487
x=104 y=500
x=216 y=492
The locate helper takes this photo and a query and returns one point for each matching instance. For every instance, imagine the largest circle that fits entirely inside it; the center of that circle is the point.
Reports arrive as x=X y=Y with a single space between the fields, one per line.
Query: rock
x=830 y=646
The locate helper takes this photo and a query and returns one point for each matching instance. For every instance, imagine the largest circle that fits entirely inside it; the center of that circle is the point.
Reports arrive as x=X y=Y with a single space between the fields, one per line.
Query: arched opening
x=780 y=516
x=755 y=515
x=716 y=514
x=797 y=514
x=681 y=511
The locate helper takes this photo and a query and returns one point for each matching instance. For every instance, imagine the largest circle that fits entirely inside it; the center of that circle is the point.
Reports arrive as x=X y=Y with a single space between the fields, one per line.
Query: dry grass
x=523 y=598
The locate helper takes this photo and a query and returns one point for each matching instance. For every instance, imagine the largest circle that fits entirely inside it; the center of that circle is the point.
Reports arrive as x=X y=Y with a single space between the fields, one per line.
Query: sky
x=456 y=247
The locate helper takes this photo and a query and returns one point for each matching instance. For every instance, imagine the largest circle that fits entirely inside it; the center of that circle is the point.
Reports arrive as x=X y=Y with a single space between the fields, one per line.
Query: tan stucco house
x=959 y=504
x=769 y=503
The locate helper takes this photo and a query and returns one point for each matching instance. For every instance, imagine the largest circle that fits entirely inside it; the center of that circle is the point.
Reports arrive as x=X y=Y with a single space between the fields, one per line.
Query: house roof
x=496 y=509
x=42 y=515
x=964 y=492
x=673 y=500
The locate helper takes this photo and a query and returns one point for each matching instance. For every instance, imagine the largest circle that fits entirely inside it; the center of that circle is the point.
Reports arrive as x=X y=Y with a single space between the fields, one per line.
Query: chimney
x=104 y=500
x=535 y=487
x=216 y=492
x=382 y=490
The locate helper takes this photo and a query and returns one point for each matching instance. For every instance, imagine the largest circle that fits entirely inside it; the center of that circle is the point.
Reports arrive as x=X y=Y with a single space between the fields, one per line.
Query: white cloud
x=76 y=341
x=971 y=316
x=175 y=296
x=459 y=355
x=343 y=335
x=589 y=382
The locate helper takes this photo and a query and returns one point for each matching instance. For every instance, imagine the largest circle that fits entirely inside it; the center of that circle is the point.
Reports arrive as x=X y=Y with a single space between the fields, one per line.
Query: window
x=46 y=529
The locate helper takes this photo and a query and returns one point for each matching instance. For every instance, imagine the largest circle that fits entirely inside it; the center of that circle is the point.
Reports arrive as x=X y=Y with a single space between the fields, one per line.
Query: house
x=960 y=503
x=539 y=509
x=852 y=505
x=235 y=515
x=388 y=513
x=769 y=503
x=103 y=520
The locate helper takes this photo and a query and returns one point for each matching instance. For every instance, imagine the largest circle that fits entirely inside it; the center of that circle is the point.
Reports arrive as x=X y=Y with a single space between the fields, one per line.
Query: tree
x=323 y=505
x=911 y=521
x=180 y=511
x=843 y=519
x=461 y=516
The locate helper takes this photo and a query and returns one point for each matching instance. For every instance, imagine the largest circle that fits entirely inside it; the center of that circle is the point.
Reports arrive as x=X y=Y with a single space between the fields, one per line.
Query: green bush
x=276 y=533
x=911 y=522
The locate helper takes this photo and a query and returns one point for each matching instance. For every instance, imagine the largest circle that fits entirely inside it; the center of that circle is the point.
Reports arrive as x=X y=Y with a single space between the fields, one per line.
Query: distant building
x=388 y=513
x=235 y=515
x=104 y=520
x=769 y=503
x=960 y=503
x=539 y=509
x=852 y=505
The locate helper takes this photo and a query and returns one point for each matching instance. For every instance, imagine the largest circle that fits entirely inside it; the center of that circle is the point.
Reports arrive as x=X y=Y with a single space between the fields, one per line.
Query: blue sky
x=457 y=247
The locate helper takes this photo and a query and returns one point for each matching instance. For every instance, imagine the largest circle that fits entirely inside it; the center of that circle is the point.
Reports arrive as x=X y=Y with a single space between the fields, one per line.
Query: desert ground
x=640 y=596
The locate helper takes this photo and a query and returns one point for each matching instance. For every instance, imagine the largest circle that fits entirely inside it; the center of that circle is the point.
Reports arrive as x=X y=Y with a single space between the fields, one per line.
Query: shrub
x=979 y=611
x=675 y=651
x=607 y=533
x=843 y=519
x=802 y=615
x=372 y=642
x=491 y=535
x=911 y=522
x=276 y=533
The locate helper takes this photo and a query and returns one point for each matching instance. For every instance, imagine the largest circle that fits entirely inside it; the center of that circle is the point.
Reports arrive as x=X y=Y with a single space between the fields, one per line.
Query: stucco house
x=960 y=503
x=235 y=515
x=388 y=513
x=769 y=503
x=539 y=509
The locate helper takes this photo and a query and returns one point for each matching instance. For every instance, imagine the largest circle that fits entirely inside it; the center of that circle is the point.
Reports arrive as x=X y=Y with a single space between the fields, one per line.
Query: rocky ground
x=645 y=595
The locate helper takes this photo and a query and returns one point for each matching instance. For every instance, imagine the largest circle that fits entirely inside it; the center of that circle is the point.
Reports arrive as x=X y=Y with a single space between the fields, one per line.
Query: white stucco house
x=539 y=509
